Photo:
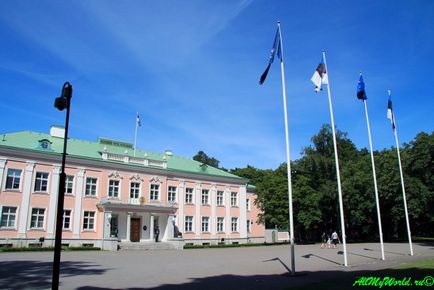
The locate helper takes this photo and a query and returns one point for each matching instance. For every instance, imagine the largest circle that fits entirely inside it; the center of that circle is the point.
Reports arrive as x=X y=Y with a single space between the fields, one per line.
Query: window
x=114 y=226
x=91 y=186
x=113 y=190
x=67 y=219
x=41 y=182
x=248 y=204
x=8 y=217
x=89 y=220
x=13 y=179
x=37 y=219
x=248 y=226
x=219 y=197
x=69 y=183
x=220 y=224
x=234 y=199
x=189 y=195
x=205 y=224
x=134 y=190
x=155 y=192
x=171 y=193
x=45 y=144
x=234 y=224
x=188 y=224
x=205 y=196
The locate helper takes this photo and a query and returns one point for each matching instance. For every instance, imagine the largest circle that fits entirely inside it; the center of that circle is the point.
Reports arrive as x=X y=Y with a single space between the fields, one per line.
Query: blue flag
x=361 y=94
x=276 y=48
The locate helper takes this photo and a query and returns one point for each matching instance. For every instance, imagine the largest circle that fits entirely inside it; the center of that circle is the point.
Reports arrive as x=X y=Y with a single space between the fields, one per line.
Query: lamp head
x=62 y=102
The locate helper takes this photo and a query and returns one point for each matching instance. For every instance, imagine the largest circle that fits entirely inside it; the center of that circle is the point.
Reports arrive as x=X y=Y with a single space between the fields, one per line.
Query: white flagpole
x=288 y=160
x=341 y=206
x=402 y=184
x=135 y=135
x=375 y=181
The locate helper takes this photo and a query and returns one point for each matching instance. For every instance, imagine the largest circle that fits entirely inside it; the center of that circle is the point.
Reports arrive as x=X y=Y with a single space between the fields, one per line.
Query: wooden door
x=135 y=230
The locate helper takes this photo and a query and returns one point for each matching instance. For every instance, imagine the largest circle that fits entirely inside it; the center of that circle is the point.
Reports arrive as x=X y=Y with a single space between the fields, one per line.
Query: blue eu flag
x=361 y=95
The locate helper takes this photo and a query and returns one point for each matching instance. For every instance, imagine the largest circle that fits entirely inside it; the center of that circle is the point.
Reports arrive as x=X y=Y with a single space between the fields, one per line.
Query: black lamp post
x=61 y=103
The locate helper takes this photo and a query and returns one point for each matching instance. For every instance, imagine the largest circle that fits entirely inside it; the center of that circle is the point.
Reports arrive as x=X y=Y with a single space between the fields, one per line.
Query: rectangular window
x=134 y=190
x=69 y=183
x=234 y=199
x=37 y=219
x=89 y=220
x=8 y=217
x=171 y=193
x=220 y=224
x=67 y=219
x=205 y=224
x=188 y=224
x=248 y=226
x=113 y=190
x=234 y=224
x=219 y=197
x=41 y=182
x=248 y=204
x=189 y=195
x=155 y=192
x=205 y=196
x=91 y=186
x=13 y=179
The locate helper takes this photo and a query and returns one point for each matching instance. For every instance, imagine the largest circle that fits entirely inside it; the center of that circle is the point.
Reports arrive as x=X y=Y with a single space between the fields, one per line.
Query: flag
x=361 y=94
x=390 y=112
x=320 y=76
x=276 y=48
x=138 y=120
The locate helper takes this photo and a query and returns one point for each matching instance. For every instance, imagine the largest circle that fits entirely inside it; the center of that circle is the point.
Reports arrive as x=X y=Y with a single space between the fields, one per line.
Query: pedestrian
x=323 y=240
x=335 y=239
x=156 y=233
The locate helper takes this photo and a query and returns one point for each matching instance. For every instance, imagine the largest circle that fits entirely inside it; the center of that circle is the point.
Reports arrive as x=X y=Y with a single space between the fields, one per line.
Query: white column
x=106 y=225
x=227 y=200
x=151 y=229
x=2 y=169
x=78 y=200
x=213 y=220
x=24 y=211
x=129 y=226
x=181 y=198
x=52 y=212
x=197 y=219
x=170 y=227
x=243 y=212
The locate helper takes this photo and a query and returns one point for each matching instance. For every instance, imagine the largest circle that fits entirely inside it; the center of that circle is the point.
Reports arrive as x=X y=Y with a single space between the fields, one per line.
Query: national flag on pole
x=320 y=76
x=274 y=49
x=138 y=120
x=390 y=112
x=361 y=94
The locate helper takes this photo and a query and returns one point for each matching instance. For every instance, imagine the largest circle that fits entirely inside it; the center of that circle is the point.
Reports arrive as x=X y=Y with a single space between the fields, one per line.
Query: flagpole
x=402 y=184
x=135 y=135
x=365 y=102
x=341 y=206
x=288 y=159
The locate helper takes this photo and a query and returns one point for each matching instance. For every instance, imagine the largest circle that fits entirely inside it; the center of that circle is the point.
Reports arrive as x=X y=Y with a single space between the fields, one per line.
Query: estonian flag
x=390 y=112
x=320 y=76
x=361 y=94
x=138 y=120
x=276 y=47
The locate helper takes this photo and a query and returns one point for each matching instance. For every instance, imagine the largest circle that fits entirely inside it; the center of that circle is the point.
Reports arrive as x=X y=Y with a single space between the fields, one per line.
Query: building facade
x=115 y=195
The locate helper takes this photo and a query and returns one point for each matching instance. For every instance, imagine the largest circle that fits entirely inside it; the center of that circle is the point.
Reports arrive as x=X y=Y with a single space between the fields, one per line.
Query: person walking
x=156 y=233
x=323 y=240
x=335 y=239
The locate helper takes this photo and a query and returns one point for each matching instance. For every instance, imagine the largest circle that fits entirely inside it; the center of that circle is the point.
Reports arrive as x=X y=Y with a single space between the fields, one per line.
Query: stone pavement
x=228 y=268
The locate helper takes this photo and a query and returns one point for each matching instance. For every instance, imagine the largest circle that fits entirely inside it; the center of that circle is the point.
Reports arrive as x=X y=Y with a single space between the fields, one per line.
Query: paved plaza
x=229 y=268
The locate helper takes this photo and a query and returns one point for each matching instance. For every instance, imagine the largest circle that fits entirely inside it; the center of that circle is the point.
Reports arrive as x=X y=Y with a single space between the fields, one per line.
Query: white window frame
x=248 y=204
x=41 y=180
x=14 y=227
x=171 y=192
x=152 y=191
x=94 y=221
x=112 y=188
x=139 y=189
x=70 y=220
x=205 y=224
x=14 y=177
x=190 y=226
x=190 y=194
x=69 y=183
x=205 y=197
x=234 y=199
x=220 y=225
x=234 y=221
x=96 y=187
x=220 y=198
x=38 y=216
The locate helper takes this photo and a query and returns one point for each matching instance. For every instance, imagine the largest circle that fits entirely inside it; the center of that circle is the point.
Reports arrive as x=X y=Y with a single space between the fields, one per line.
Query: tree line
x=315 y=198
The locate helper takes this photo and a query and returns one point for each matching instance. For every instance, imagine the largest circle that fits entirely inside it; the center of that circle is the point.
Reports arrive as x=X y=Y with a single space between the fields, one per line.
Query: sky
x=191 y=70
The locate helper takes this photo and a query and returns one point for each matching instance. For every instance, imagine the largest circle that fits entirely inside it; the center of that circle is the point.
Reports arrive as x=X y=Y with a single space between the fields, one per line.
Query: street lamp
x=61 y=103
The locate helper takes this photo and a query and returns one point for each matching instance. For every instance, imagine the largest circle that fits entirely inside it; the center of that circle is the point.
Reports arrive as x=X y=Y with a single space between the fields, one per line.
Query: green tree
x=205 y=159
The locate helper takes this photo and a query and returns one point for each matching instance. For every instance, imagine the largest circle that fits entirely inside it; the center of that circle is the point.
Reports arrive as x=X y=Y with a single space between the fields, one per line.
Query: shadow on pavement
x=37 y=275
x=322 y=258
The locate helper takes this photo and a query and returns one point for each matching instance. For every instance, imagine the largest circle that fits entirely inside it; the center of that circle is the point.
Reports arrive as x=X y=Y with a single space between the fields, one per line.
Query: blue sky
x=191 y=69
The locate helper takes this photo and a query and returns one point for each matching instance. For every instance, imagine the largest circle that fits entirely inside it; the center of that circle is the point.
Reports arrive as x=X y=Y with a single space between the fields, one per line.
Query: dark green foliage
x=205 y=159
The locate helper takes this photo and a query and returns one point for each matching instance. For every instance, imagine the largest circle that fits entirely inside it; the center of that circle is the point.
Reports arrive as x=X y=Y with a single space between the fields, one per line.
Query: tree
x=202 y=157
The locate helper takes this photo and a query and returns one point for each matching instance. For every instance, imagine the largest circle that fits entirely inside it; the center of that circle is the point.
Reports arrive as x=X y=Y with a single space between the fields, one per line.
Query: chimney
x=57 y=131
x=168 y=152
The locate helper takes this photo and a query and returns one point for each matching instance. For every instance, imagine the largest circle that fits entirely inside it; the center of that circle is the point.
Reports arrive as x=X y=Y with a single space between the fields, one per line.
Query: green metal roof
x=28 y=140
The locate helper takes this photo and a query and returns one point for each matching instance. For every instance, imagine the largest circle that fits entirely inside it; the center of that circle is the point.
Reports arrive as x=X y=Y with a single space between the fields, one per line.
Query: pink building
x=117 y=196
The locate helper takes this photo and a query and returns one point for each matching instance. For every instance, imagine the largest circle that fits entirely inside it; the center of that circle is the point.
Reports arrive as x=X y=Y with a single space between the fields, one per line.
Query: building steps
x=144 y=246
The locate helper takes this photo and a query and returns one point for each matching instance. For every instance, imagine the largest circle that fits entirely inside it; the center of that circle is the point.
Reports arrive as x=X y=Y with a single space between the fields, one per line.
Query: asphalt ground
x=264 y=267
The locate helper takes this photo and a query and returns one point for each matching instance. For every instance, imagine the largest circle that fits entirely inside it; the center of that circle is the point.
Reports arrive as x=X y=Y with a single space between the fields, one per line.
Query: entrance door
x=135 y=230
